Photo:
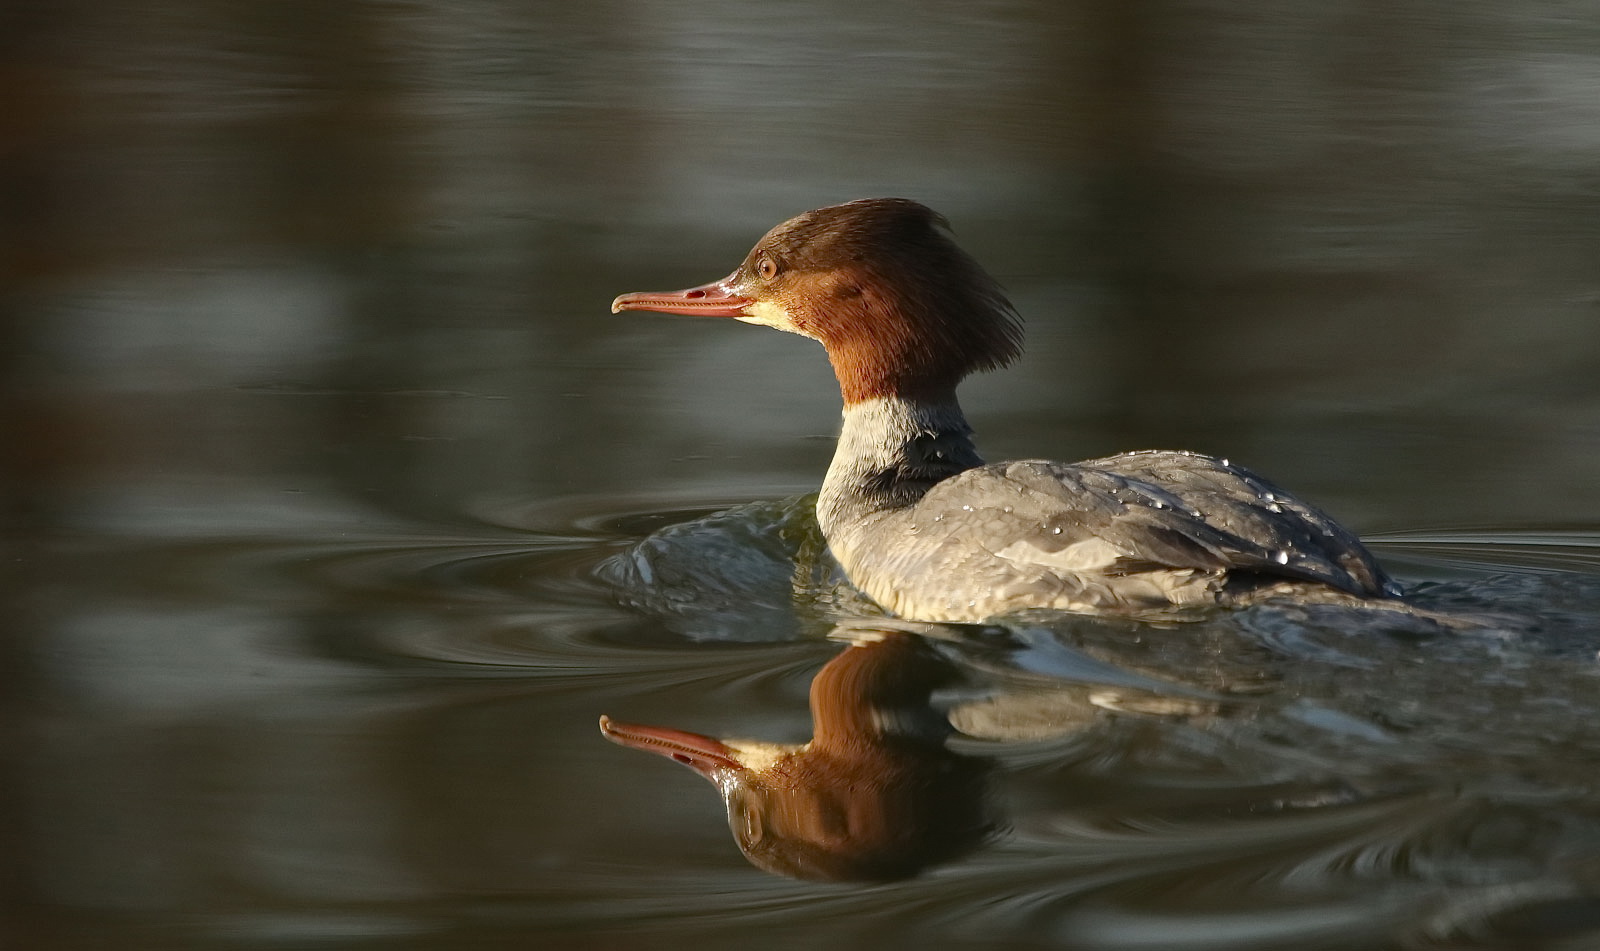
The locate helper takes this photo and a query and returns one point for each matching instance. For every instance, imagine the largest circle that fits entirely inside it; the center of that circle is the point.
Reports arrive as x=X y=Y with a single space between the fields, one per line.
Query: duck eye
x=767 y=268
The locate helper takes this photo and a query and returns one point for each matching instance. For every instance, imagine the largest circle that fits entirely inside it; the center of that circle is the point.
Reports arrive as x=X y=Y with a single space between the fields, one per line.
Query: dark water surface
x=326 y=471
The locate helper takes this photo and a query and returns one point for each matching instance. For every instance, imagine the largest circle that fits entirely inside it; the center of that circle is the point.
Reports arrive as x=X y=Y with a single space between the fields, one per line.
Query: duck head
x=901 y=309
x=875 y=795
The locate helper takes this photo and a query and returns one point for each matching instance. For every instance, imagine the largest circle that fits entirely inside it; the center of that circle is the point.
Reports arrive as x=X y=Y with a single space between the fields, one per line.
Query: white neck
x=891 y=451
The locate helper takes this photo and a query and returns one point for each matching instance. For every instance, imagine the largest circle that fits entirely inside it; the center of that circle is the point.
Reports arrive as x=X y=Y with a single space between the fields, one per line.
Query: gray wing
x=1163 y=511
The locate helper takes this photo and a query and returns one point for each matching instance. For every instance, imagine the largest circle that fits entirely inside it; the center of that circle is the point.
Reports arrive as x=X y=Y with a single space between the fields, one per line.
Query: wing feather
x=1150 y=512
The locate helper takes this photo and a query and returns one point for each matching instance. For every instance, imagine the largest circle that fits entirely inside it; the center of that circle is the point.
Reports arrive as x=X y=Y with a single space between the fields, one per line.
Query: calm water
x=338 y=509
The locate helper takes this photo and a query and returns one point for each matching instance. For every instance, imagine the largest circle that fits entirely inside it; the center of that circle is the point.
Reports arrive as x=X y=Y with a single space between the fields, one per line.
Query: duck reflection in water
x=874 y=796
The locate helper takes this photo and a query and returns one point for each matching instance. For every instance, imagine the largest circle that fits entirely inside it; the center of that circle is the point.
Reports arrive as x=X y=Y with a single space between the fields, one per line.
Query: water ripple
x=1324 y=782
x=1575 y=550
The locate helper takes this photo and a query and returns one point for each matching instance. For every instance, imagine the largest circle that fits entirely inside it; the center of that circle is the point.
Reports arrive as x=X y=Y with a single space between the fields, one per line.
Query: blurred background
x=276 y=277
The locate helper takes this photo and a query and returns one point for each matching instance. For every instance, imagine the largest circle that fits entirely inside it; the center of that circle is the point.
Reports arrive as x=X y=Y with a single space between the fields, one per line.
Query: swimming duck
x=916 y=518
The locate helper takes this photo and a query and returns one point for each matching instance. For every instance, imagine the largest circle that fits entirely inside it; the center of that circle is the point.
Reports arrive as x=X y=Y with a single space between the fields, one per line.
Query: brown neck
x=870 y=371
x=873 y=692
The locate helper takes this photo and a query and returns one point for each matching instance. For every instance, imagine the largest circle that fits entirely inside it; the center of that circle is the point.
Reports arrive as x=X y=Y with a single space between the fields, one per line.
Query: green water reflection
x=314 y=424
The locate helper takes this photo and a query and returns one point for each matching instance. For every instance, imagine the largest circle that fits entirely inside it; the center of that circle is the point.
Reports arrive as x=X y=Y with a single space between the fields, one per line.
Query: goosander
x=930 y=532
